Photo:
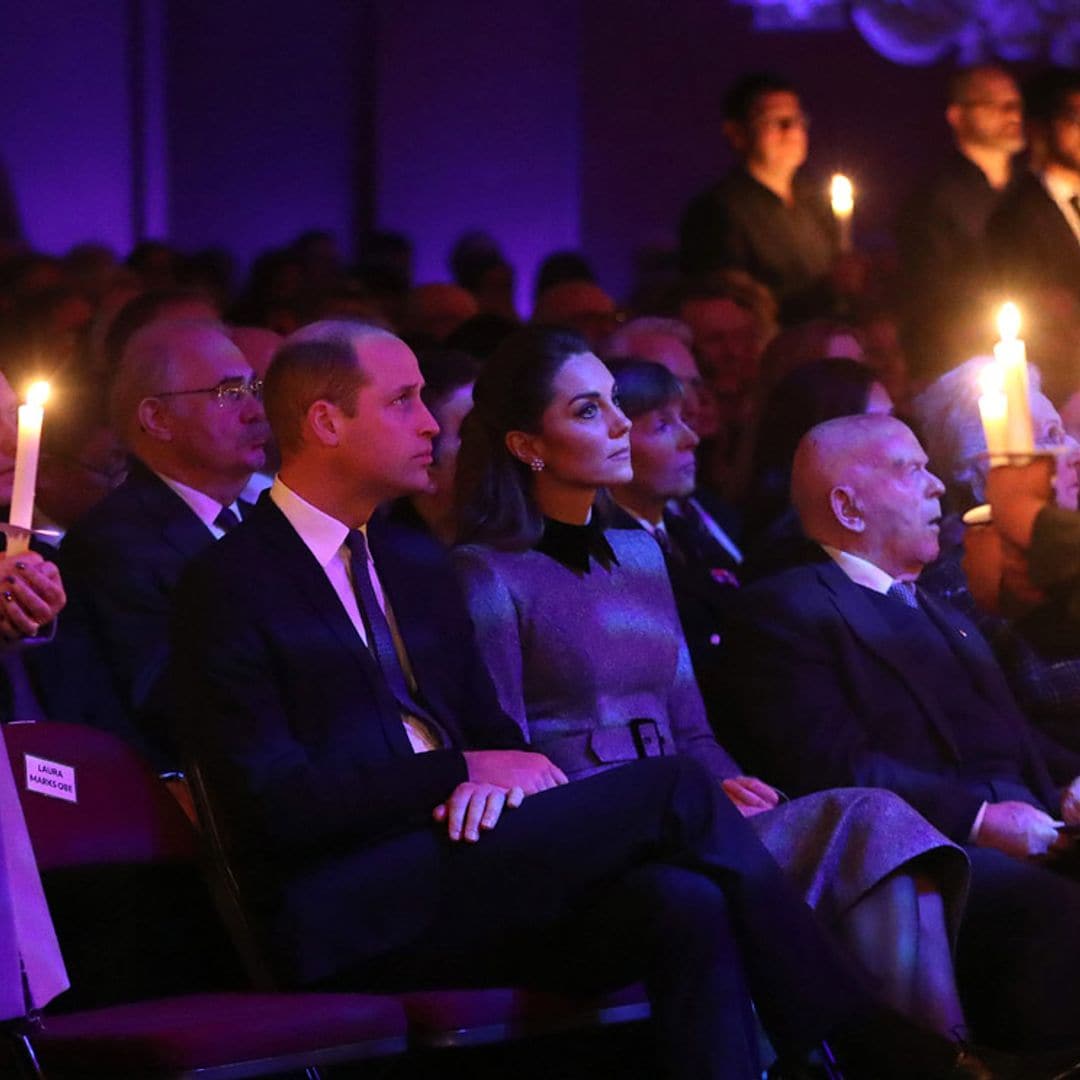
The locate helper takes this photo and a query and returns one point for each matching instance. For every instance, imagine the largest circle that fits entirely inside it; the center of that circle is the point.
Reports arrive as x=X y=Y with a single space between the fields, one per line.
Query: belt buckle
x=648 y=741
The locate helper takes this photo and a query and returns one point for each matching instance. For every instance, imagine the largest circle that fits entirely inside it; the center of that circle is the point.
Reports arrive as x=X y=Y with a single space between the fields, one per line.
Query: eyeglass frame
x=237 y=385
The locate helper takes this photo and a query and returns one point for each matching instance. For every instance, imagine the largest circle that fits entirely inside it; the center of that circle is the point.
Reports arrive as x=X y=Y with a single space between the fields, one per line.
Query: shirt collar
x=324 y=535
x=573 y=545
x=202 y=505
x=860 y=570
x=1061 y=189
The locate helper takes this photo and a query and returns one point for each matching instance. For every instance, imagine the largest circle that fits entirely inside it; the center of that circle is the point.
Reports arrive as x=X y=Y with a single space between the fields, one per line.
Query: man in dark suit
x=386 y=823
x=186 y=403
x=1034 y=235
x=845 y=674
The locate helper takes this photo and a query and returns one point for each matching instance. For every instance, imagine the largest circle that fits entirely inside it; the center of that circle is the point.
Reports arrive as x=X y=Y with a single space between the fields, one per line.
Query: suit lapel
x=302 y=573
x=876 y=635
x=180 y=528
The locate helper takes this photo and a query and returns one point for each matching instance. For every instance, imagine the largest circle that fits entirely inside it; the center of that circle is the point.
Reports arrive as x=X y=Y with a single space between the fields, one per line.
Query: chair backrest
x=119 y=866
x=121 y=811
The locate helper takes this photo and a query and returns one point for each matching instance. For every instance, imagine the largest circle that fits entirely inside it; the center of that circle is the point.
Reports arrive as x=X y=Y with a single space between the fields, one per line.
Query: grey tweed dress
x=594 y=669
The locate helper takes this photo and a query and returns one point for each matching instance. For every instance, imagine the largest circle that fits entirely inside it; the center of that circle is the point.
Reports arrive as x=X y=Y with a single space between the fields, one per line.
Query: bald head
x=860 y=484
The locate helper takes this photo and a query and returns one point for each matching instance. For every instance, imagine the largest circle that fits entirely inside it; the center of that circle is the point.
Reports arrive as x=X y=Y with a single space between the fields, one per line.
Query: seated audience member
x=1037 y=649
x=941 y=228
x=479 y=265
x=581 y=637
x=758 y=218
x=581 y=306
x=434 y=311
x=481 y=335
x=807 y=396
x=842 y=672
x=560 y=266
x=388 y=826
x=186 y=404
x=1034 y=234
x=702 y=571
x=667 y=342
x=447 y=393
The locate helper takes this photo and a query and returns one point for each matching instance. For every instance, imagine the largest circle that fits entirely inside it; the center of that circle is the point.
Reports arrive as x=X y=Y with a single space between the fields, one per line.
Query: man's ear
x=952 y=117
x=524 y=447
x=847 y=509
x=323 y=418
x=153 y=419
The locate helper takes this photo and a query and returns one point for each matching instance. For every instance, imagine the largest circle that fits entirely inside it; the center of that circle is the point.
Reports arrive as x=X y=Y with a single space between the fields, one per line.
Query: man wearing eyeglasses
x=941 y=230
x=758 y=218
x=1035 y=233
x=188 y=407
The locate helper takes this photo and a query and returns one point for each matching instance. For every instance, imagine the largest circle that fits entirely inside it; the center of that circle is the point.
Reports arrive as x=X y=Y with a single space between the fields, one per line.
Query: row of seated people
x=334 y=698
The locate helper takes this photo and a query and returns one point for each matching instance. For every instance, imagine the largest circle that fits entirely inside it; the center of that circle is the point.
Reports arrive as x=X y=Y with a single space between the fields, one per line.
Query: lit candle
x=993 y=408
x=27 y=450
x=842 y=194
x=1010 y=355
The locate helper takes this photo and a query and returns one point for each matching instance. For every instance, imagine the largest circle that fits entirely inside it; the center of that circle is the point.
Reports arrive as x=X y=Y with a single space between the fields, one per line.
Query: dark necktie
x=227 y=519
x=904 y=591
x=691 y=541
x=380 y=639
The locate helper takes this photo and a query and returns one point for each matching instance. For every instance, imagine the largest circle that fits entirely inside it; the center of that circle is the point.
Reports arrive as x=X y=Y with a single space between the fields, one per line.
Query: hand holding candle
x=27 y=452
x=842 y=194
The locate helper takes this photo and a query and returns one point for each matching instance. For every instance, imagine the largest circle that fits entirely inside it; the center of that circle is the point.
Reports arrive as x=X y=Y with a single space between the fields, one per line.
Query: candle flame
x=1009 y=322
x=842 y=192
x=38 y=393
x=992 y=379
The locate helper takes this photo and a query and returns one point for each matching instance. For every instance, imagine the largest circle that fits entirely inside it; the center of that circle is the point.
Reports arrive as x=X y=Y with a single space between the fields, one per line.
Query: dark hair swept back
x=643 y=385
x=493 y=497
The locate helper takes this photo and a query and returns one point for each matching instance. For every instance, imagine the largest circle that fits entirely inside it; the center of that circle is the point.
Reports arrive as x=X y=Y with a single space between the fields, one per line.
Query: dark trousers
x=1018 y=956
x=644 y=871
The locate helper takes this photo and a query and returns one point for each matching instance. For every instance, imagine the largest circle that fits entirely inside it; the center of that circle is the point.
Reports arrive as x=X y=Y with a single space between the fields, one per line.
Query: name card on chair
x=50 y=778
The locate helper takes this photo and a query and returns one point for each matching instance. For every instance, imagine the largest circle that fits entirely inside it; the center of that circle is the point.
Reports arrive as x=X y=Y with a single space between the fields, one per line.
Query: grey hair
x=621 y=342
x=946 y=415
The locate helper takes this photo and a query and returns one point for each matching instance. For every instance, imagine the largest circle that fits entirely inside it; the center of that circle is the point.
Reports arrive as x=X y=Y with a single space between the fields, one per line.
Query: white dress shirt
x=1061 y=190
x=202 y=506
x=325 y=537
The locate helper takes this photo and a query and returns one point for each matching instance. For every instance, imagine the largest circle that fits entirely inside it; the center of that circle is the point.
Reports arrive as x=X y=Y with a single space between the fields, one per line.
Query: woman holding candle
x=580 y=633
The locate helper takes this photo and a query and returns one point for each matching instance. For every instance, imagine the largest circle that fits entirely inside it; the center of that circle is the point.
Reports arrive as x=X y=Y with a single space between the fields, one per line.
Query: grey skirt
x=834 y=846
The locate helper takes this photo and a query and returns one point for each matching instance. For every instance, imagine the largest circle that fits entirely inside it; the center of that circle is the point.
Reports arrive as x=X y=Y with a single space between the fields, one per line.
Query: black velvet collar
x=572 y=545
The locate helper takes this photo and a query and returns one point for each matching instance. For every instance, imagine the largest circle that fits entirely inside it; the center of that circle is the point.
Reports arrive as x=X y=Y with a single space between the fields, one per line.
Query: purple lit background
x=551 y=123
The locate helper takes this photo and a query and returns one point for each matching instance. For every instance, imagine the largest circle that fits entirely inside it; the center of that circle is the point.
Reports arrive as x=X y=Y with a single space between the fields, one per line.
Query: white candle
x=27 y=451
x=993 y=408
x=1011 y=356
x=842 y=194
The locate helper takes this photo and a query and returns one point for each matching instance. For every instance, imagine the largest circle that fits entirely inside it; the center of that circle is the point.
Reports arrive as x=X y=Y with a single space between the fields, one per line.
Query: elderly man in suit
x=846 y=674
x=387 y=825
x=186 y=404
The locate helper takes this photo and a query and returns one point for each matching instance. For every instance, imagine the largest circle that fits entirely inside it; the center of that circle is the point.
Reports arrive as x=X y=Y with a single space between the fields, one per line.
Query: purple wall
x=263 y=103
x=552 y=123
x=478 y=127
x=652 y=125
x=65 y=122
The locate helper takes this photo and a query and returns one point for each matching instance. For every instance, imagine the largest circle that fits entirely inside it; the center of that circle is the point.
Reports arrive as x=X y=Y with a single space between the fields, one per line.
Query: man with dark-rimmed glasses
x=188 y=407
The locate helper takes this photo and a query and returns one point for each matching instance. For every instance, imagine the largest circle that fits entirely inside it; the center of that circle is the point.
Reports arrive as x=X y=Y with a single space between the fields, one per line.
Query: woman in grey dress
x=580 y=633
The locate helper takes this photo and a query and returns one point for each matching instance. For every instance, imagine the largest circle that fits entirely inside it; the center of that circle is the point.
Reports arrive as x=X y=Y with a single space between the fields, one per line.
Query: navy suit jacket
x=326 y=810
x=829 y=695
x=120 y=565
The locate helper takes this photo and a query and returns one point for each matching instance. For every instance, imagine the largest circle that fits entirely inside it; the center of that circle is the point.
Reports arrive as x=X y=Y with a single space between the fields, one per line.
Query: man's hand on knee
x=475 y=806
x=513 y=768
